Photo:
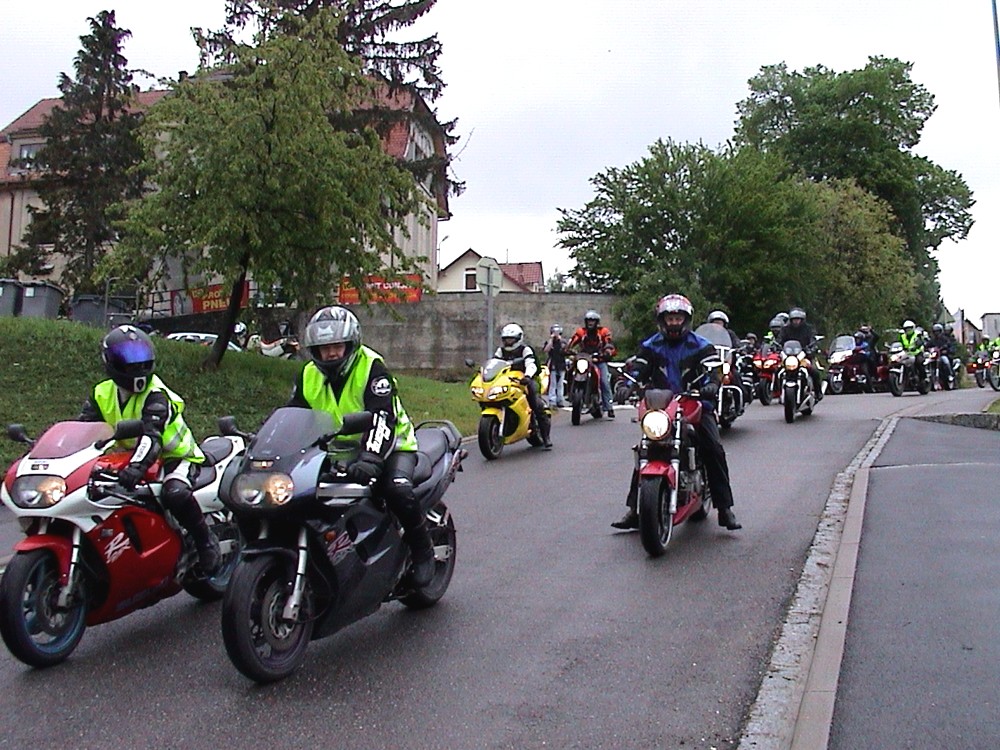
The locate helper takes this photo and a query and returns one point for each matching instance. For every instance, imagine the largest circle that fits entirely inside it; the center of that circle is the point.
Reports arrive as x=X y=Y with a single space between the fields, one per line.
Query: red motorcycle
x=94 y=551
x=766 y=365
x=585 y=387
x=673 y=483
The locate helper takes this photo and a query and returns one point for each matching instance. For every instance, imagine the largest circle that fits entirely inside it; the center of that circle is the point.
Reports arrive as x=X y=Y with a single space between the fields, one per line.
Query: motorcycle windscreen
x=288 y=430
x=494 y=367
x=842 y=344
x=66 y=438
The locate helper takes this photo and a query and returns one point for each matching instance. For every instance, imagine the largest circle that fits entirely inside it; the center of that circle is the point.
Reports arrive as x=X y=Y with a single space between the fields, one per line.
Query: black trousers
x=396 y=486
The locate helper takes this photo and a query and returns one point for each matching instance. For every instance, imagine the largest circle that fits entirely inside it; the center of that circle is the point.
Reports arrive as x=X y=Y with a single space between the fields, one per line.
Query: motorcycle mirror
x=227 y=426
x=17 y=433
x=469 y=362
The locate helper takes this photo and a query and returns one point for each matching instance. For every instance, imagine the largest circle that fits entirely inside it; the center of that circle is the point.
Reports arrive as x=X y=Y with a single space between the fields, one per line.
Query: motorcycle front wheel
x=577 y=403
x=35 y=628
x=789 y=401
x=836 y=385
x=442 y=530
x=993 y=375
x=980 y=379
x=260 y=642
x=656 y=523
x=764 y=392
x=490 y=439
x=895 y=384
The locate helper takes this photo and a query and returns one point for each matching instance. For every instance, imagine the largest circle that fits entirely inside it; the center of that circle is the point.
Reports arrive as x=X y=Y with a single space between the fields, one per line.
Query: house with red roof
x=460 y=275
x=410 y=138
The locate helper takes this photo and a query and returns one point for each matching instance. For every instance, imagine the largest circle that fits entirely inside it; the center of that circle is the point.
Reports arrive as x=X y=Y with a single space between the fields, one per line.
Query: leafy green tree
x=251 y=178
x=863 y=125
x=88 y=163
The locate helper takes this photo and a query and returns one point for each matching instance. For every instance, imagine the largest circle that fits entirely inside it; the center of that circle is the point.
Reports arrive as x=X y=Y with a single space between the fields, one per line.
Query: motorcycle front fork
x=294 y=604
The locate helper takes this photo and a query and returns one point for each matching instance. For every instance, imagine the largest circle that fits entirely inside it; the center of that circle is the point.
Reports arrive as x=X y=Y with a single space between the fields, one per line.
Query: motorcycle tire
x=789 y=402
x=259 y=643
x=490 y=439
x=211 y=588
x=764 y=392
x=923 y=386
x=443 y=536
x=577 y=404
x=656 y=523
x=980 y=379
x=34 y=629
x=835 y=386
x=706 y=497
x=993 y=376
x=895 y=384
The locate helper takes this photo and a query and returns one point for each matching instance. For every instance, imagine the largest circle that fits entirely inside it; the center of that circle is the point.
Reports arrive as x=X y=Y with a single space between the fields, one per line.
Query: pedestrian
x=555 y=348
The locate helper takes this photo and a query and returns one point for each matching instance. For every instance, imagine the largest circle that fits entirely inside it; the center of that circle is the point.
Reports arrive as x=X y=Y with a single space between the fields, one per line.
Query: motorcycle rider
x=912 y=340
x=797 y=329
x=132 y=391
x=512 y=347
x=944 y=347
x=773 y=335
x=864 y=350
x=720 y=318
x=671 y=358
x=593 y=338
x=753 y=345
x=555 y=348
x=344 y=376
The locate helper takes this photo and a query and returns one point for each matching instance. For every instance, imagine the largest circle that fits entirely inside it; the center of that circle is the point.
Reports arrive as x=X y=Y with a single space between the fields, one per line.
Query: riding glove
x=129 y=476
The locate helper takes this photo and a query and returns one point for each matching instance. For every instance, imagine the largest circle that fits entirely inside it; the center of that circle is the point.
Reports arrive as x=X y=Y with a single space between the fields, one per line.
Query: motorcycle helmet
x=511 y=337
x=717 y=316
x=674 y=303
x=783 y=317
x=128 y=357
x=555 y=329
x=591 y=316
x=751 y=337
x=859 y=337
x=948 y=328
x=796 y=313
x=333 y=325
x=909 y=325
x=937 y=328
x=775 y=325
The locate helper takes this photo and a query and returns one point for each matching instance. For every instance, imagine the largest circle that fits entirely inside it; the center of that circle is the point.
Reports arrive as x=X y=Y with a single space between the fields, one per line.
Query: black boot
x=628 y=522
x=182 y=504
x=421 y=554
x=545 y=427
x=727 y=519
x=209 y=553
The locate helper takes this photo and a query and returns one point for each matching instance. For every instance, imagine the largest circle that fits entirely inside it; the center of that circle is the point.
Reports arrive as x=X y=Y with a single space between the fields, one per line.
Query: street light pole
x=996 y=38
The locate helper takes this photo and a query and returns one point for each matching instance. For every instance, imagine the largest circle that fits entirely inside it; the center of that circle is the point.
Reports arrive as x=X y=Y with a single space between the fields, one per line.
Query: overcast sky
x=550 y=92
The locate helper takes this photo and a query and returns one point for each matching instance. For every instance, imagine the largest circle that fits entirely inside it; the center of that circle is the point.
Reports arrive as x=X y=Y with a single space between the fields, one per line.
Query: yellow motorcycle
x=506 y=415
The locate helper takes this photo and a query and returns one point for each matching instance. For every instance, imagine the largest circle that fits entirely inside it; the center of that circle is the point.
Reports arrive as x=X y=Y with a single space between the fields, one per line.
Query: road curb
x=794 y=705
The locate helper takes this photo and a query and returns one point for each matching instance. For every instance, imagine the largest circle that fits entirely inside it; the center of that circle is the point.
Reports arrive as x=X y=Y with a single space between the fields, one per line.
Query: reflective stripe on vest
x=319 y=395
x=178 y=441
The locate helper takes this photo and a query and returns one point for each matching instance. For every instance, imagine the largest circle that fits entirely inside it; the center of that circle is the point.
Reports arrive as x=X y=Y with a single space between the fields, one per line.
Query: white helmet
x=717 y=316
x=909 y=325
x=511 y=337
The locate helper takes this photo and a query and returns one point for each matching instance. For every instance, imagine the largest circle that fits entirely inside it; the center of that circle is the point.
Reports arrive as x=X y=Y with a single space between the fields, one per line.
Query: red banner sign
x=212 y=298
x=408 y=288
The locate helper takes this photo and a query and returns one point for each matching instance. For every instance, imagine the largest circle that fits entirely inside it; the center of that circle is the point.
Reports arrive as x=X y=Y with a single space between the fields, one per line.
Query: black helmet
x=128 y=357
x=591 y=316
x=333 y=325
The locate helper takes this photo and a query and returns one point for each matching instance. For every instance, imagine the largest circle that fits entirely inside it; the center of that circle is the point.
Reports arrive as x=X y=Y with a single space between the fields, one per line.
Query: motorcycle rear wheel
x=490 y=439
x=35 y=630
x=442 y=535
x=260 y=644
x=656 y=523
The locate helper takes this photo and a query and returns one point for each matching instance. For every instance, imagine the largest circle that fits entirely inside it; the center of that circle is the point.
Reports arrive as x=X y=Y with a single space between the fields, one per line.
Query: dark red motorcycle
x=585 y=386
x=673 y=483
x=766 y=365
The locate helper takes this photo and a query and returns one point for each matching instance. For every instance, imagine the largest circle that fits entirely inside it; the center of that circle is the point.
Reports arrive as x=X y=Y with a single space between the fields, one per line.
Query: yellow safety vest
x=319 y=395
x=178 y=441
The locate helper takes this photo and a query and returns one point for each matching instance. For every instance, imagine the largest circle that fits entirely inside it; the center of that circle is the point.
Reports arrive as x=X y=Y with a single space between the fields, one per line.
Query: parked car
x=205 y=339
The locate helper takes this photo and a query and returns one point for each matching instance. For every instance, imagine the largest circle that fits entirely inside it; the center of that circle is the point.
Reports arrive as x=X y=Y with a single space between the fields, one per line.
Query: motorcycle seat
x=432 y=444
x=216 y=449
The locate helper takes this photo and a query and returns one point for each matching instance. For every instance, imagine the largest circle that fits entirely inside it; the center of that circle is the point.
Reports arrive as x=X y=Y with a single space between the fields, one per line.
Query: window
x=470 y=280
x=27 y=154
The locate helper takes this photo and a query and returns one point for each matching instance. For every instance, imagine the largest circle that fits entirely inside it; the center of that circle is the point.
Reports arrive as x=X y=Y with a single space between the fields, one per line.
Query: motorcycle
x=505 y=414
x=673 y=481
x=766 y=365
x=993 y=369
x=847 y=371
x=945 y=375
x=585 y=388
x=93 y=551
x=797 y=393
x=731 y=402
x=286 y=347
x=977 y=367
x=324 y=552
x=904 y=375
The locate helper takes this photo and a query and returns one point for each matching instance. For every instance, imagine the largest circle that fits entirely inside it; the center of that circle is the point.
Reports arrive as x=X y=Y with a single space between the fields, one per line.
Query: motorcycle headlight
x=897 y=357
x=477 y=391
x=263 y=489
x=758 y=364
x=497 y=391
x=792 y=362
x=996 y=354
x=655 y=425
x=36 y=491
x=582 y=366
x=769 y=364
x=726 y=368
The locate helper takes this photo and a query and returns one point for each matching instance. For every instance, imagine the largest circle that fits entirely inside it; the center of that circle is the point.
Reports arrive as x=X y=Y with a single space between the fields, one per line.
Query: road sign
x=488 y=276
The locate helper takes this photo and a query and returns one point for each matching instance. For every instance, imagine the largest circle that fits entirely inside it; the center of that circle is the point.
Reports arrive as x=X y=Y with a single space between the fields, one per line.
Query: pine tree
x=86 y=165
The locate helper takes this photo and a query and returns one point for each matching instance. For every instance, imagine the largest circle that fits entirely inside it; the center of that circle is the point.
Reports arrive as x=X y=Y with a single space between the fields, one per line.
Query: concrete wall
x=439 y=332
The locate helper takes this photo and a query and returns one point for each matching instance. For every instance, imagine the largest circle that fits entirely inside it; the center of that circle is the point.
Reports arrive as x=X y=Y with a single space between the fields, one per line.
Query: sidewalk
x=893 y=638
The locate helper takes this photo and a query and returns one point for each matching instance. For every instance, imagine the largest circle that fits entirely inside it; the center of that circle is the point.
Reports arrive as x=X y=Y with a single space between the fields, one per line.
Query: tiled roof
x=525 y=274
x=32 y=119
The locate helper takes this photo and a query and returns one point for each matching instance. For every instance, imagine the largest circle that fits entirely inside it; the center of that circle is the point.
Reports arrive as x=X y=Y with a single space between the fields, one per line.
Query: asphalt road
x=557 y=632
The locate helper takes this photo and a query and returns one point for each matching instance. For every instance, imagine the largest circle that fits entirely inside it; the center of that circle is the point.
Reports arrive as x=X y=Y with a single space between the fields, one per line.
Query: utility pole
x=996 y=38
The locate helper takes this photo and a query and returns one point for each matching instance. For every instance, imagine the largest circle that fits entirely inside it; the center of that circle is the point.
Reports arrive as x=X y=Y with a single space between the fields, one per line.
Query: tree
x=250 y=177
x=863 y=125
x=88 y=163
